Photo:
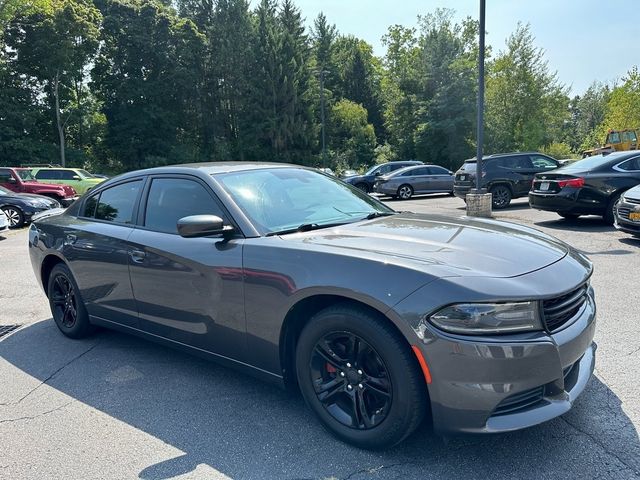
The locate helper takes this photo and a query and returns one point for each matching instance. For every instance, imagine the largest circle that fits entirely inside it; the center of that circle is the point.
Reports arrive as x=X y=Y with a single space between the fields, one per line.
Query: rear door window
x=543 y=162
x=632 y=165
x=115 y=204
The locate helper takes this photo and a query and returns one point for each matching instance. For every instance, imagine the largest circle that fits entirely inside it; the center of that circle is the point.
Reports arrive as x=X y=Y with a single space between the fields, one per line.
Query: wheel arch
x=300 y=313
x=48 y=263
x=500 y=183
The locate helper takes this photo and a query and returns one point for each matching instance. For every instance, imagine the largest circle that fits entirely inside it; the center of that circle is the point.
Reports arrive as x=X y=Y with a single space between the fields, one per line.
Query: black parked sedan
x=21 y=207
x=381 y=319
x=587 y=187
x=627 y=212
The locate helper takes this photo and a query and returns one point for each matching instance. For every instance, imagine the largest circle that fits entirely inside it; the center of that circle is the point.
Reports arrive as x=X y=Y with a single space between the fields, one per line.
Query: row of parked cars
x=25 y=192
x=600 y=185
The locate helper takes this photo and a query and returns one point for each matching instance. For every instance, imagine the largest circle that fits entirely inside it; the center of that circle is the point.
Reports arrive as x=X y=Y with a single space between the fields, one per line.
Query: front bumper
x=385 y=189
x=621 y=217
x=499 y=386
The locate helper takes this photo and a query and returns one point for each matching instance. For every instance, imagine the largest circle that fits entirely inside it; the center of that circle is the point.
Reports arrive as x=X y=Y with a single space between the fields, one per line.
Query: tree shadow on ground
x=247 y=429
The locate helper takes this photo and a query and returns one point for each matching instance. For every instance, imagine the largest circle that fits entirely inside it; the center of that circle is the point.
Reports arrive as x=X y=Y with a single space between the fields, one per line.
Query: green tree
x=587 y=113
x=148 y=74
x=357 y=78
x=353 y=139
x=400 y=88
x=284 y=114
x=623 y=107
x=50 y=50
x=446 y=106
x=526 y=106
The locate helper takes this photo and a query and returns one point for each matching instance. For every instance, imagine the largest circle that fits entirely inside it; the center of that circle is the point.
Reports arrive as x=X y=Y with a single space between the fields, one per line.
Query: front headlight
x=488 y=318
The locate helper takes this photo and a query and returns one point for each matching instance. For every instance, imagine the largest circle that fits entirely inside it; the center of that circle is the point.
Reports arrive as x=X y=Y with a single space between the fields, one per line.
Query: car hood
x=444 y=246
x=633 y=193
x=35 y=185
x=29 y=198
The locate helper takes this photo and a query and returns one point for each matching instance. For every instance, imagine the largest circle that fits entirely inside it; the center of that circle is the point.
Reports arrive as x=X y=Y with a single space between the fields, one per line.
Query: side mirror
x=76 y=177
x=202 y=226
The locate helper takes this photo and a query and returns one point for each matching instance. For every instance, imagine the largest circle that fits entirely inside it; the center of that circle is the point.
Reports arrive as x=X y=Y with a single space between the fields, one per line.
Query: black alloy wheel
x=360 y=377
x=351 y=380
x=66 y=305
x=501 y=196
x=15 y=216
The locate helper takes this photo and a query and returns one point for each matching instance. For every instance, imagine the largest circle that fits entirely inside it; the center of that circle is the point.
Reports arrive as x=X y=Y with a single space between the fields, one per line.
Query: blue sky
x=584 y=40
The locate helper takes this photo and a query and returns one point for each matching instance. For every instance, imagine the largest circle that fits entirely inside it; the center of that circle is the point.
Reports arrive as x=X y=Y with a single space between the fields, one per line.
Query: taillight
x=574 y=182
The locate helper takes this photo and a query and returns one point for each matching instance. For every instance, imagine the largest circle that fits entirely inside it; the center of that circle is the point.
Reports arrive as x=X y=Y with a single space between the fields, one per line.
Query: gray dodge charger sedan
x=380 y=319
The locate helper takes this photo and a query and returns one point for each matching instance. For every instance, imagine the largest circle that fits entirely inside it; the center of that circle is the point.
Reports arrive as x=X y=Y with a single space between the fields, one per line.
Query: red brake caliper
x=331 y=368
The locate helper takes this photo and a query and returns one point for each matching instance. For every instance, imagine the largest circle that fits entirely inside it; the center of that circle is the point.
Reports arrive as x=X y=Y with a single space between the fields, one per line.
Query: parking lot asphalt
x=116 y=407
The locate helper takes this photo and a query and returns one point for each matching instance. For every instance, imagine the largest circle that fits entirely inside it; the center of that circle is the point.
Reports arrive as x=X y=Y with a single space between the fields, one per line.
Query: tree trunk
x=59 y=124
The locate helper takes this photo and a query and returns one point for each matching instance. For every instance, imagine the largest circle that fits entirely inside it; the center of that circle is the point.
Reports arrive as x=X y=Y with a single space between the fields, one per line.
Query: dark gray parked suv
x=505 y=175
x=381 y=319
x=366 y=182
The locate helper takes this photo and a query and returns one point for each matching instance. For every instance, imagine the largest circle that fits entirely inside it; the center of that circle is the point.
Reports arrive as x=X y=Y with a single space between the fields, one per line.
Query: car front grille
x=558 y=311
x=624 y=212
x=520 y=401
x=632 y=200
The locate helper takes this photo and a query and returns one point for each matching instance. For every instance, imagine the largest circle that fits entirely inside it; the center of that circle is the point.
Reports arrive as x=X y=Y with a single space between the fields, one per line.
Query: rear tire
x=500 y=196
x=67 y=306
x=372 y=395
x=405 y=192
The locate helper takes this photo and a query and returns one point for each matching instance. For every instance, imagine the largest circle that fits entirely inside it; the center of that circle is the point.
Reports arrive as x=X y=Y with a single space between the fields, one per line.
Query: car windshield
x=84 y=173
x=281 y=199
x=589 y=163
x=372 y=170
x=25 y=174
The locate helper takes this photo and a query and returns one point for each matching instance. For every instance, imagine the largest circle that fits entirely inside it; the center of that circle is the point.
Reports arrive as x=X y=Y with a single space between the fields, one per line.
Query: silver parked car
x=410 y=181
x=627 y=212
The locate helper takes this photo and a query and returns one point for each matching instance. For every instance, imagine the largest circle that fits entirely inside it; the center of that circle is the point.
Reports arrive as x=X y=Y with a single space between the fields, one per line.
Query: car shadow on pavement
x=244 y=428
x=581 y=224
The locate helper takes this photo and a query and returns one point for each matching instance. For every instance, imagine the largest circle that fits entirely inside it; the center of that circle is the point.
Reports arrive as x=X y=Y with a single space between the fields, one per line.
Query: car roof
x=206 y=168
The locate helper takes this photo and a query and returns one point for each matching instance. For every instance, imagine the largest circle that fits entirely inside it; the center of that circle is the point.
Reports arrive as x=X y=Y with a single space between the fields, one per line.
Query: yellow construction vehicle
x=616 y=141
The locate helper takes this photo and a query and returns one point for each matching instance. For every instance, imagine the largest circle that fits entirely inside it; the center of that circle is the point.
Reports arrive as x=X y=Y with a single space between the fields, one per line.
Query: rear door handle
x=137 y=256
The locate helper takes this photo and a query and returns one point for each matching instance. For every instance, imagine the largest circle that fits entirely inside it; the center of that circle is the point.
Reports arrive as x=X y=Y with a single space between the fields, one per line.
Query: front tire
x=405 y=192
x=66 y=304
x=15 y=216
x=500 y=196
x=360 y=377
x=609 y=215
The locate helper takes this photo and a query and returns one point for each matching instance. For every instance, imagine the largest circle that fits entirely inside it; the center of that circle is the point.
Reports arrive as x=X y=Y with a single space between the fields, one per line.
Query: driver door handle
x=137 y=256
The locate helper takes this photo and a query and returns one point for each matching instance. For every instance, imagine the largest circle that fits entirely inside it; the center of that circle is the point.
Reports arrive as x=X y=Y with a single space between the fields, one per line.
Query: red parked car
x=20 y=180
